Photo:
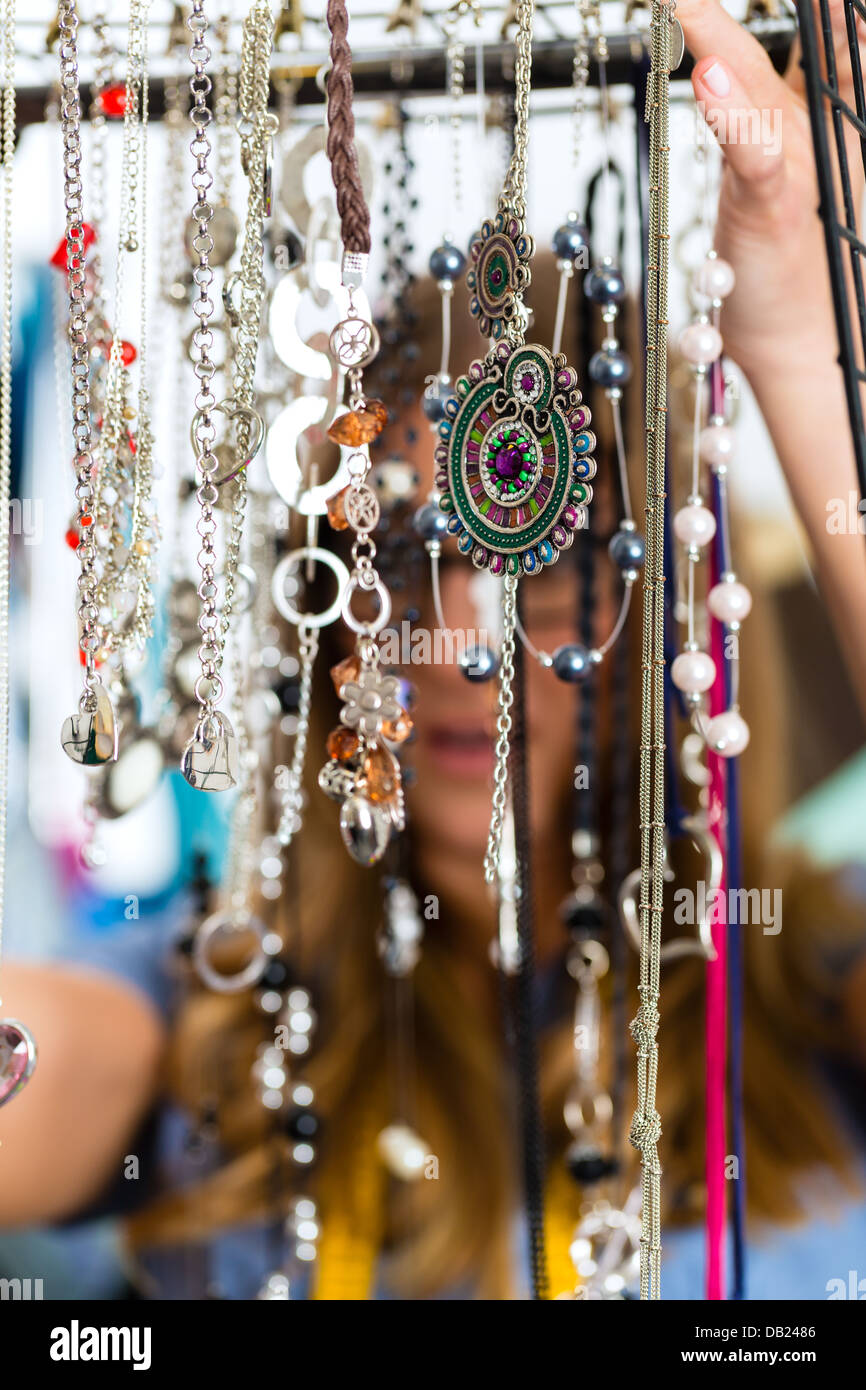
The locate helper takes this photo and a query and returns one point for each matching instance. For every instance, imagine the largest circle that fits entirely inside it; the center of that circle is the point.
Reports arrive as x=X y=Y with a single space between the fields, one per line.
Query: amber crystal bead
x=337 y=512
x=346 y=670
x=342 y=744
x=381 y=774
x=361 y=426
x=397 y=730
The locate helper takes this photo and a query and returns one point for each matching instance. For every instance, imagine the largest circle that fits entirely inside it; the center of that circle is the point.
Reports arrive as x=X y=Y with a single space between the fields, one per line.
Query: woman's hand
x=768 y=226
x=778 y=324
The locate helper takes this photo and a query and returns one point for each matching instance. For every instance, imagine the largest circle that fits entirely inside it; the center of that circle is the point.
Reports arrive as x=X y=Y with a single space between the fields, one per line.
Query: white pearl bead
x=402 y=1151
x=715 y=278
x=716 y=445
x=693 y=672
x=728 y=734
x=729 y=601
x=700 y=344
x=694 y=525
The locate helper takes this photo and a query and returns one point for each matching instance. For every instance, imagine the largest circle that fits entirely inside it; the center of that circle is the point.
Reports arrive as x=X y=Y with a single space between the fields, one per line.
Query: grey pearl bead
x=447 y=262
x=626 y=549
x=605 y=285
x=569 y=240
x=434 y=408
x=479 y=664
x=609 y=368
x=571 y=663
x=430 y=523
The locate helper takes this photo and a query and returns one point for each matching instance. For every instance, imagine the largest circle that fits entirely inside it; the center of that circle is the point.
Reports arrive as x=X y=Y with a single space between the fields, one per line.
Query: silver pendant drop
x=17 y=1057
x=90 y=736
x=210 y=759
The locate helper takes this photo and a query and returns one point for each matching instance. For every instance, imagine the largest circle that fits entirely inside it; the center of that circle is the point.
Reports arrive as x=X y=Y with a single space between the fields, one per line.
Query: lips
x=461 y=750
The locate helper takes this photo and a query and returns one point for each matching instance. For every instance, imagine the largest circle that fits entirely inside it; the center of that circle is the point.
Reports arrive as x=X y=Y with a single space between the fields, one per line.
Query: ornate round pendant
x=514 y=460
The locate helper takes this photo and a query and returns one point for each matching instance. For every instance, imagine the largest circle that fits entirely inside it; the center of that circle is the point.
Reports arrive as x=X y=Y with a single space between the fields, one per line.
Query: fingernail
x=717 y=80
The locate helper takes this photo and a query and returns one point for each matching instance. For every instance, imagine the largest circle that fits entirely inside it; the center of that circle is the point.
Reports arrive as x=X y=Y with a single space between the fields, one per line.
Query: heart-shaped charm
x=90 y=736
x=17 y=1057
x=210 y=759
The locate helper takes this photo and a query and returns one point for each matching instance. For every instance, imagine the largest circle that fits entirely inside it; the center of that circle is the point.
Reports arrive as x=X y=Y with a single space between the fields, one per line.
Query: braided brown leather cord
x=351 y=203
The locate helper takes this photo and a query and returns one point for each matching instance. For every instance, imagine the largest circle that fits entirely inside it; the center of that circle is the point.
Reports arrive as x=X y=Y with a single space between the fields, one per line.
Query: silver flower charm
x=369 y=701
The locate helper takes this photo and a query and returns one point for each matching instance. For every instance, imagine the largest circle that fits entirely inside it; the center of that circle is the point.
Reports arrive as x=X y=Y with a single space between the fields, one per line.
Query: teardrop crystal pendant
x=17 y=1057
x=90 y=736
x=210 y=759
x=365 y=828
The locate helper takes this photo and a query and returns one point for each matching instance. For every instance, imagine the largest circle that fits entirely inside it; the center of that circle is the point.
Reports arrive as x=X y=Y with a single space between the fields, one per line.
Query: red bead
x=73 y=540
x=128 y=353
x=88 y=237
x=113 y=101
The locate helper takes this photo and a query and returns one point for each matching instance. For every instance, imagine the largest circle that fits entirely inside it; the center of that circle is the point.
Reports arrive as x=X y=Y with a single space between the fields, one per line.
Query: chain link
x=208 y=688
x=505 y=700
x=292 y=800
x=117 y=457
x=646 y=1124
x=256 y=128
x=513 y=194
x=70 y=121
x=579 y=78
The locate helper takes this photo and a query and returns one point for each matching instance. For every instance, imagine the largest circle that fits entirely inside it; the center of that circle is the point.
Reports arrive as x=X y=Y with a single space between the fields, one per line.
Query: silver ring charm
x=702 y=943
x=376 y=624
x=292 y=562
x=222 y=924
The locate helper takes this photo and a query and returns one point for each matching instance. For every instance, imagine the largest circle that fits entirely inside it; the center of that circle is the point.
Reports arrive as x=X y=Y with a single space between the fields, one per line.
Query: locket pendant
x=17 y=1057
x=210 y=759
x=90 y=736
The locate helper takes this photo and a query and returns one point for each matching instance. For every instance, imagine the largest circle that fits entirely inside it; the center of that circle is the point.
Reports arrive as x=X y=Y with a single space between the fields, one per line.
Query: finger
x=711 y=32
x=750 y=134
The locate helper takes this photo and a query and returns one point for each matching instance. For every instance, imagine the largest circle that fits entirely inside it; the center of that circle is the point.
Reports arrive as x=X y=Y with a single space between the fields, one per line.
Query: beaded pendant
x=515 y=459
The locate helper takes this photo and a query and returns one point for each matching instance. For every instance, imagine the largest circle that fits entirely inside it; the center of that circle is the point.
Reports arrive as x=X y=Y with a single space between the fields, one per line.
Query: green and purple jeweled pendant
x=514 y=459
x=514 y=455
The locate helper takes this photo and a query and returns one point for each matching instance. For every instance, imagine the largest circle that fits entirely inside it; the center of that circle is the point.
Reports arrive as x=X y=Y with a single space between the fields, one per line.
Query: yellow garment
x=352 y=1229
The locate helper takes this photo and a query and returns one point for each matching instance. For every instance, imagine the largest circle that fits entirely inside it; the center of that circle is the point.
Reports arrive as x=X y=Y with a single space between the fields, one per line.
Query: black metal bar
x=373 y=71
x=834 y=230
x=839 y=105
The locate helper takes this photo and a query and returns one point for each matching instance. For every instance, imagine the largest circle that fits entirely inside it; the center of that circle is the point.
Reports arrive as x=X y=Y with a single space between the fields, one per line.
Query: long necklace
x=515 y=430
x=210 y=760
x=17 y=1048
x=90 y=736
x=362 y=773
x=646 y=1124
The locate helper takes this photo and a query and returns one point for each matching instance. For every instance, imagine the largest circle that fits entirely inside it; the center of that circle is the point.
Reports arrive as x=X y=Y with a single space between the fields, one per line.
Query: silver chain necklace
x=90 y=736
x=211 y=760
x=17 y=1047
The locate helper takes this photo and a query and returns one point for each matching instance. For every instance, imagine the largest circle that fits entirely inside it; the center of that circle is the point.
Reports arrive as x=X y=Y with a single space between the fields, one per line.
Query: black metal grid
x=829 y=111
